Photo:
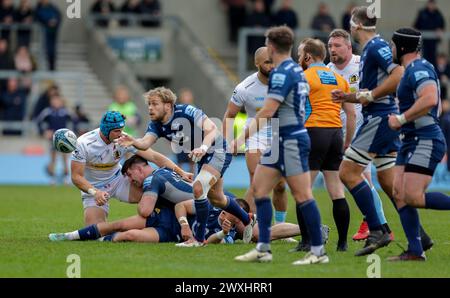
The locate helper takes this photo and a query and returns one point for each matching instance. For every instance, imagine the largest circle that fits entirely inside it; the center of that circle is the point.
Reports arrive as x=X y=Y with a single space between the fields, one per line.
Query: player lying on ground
x=162 y=226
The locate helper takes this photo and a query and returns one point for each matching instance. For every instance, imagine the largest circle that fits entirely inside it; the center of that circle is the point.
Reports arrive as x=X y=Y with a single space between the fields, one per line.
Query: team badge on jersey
x=354 y=79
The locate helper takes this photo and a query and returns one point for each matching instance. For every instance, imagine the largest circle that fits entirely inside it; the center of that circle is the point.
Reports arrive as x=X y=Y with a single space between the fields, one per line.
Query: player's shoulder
x=421 y=69
x=248 y=82
x=89 y=137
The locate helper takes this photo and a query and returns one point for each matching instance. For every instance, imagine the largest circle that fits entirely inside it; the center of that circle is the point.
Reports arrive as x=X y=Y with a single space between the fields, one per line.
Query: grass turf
x=28 y=214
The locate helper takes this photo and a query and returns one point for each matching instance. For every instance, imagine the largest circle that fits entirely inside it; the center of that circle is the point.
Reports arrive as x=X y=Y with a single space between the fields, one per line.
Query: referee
x=324 y=126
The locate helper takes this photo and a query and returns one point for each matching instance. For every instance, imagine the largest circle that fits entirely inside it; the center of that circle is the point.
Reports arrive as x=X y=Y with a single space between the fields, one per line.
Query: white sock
x=72 y=235
x=317 y=250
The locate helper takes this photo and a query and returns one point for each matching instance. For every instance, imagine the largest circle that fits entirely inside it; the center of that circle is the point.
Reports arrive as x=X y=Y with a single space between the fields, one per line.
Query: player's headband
x=353 y=24
x=406 y=43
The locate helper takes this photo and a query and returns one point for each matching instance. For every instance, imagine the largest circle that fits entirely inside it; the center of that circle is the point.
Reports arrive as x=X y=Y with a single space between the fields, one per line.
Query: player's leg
x=280 y=201
x=284 y=230
x=264 y=181
x=409 y=217
x=335 y=188
x=148 y=235
x=252 y=159
x=95 y=231
x=51 y=165
x=94 y=215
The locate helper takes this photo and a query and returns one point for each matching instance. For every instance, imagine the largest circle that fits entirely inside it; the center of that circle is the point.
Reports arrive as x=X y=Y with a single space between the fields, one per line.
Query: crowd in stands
x=102 y=10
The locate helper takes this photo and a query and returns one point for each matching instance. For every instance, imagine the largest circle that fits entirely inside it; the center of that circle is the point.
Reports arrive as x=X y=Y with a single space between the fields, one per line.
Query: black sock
x=302 y=225
x=341 y=214
x=387 y=228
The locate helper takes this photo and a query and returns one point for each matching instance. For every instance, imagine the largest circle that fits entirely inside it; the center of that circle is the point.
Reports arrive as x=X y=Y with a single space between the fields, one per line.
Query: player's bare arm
x=141 y=144
x=228 y=120
x=426 y=101
x=147 y=205
x=210 y=134
x=77 y=170
x=350 y=113
x=182 y=210
x=270 y=107
x=164 y=162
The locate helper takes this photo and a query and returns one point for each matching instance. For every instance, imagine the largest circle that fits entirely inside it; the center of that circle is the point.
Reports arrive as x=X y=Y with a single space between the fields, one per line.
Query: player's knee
x=302 y=195
x=413 y=197
x=280 y=188
x=197 y=189
x=202 y=184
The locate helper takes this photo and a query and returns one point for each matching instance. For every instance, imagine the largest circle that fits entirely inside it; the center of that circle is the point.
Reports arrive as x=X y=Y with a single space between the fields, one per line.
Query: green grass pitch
x=29 y=214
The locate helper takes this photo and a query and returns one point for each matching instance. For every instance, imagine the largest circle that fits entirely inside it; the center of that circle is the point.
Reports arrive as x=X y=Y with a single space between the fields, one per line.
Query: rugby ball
x=64 y=140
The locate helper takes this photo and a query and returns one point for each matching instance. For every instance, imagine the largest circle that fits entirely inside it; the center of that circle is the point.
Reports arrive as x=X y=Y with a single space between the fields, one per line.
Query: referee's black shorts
x=327 y=148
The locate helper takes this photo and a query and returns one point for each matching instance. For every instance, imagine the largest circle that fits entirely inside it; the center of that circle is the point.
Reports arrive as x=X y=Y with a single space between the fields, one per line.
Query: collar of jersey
x=171 y=117
x=376 y=36
x=319 y=64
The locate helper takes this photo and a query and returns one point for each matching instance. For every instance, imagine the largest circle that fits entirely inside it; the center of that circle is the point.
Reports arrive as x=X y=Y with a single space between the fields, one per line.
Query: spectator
x=151 y=8
x=286 y=15
x=14 y=103
x=101 y=9
x=347 y=16
x=131 y=7
x=50 y=17
x=23 y=60
x=430 y=19
x=24 y=16
x=186 y=98
x=236 y=12
x=50 y=120
x=257 y=19
x=443 y=70
x=6 y=18
x=6 y=62
x=81 y=122
x=123 y=105
x=268 y=4
x=323 y=22
x=44 y=99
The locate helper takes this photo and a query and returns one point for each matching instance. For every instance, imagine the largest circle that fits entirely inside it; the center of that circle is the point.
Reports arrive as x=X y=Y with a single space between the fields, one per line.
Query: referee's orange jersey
x=320 y=110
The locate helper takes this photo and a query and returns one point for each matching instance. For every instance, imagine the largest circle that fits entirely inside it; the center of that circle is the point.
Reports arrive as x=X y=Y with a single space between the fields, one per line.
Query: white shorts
x=257 y=142
x=118 y=188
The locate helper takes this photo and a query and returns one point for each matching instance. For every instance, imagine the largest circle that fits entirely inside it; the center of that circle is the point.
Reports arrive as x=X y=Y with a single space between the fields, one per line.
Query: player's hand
x=197 y=154
x=126 y=140
x=101 y=197
x=186 y=232
x=226 y=226
x=394 y=124
x=337 y=96
x=186 y=176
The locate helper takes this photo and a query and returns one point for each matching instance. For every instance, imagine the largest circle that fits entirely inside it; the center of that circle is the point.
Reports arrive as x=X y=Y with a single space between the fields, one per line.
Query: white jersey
x=250 y=94
x=102 y=161
x=351 y=74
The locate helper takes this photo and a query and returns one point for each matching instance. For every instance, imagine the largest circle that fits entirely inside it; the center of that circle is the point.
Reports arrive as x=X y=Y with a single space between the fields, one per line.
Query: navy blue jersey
x=168 y=185
x=213 y=225
x=418 y=74
x=287 y=84
x=53 y=119
x=184 y=129
x=375 y=66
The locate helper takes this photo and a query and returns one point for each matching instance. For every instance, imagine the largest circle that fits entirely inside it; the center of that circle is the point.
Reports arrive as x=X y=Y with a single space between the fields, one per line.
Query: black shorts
x=327 y=148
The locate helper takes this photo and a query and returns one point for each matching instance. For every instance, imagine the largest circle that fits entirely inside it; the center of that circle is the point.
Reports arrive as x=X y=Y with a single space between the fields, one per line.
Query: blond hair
x=165 y=94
